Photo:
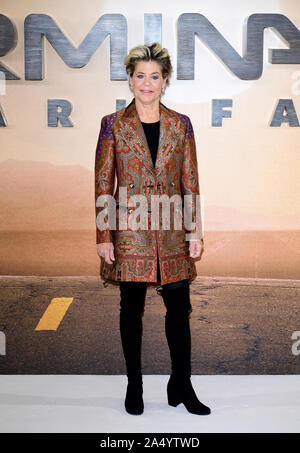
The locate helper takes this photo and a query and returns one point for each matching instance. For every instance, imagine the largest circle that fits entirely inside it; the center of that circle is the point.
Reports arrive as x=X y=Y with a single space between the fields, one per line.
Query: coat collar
x=131 y=130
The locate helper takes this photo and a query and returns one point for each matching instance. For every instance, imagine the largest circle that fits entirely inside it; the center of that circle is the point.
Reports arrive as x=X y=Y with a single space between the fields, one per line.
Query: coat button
x=172 y=183
x=131 y=185
x=130 y=210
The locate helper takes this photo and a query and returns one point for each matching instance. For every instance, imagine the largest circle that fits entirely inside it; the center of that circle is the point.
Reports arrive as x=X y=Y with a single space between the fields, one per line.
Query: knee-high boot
x=177 y=329
x=131 y=331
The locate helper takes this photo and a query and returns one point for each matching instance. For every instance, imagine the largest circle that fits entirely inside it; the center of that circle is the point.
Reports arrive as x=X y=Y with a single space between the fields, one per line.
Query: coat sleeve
x=190 y=186
x=104 y=173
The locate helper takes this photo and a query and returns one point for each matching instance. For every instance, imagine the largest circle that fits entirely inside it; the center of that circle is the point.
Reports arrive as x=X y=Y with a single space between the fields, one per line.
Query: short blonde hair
x=154 y=52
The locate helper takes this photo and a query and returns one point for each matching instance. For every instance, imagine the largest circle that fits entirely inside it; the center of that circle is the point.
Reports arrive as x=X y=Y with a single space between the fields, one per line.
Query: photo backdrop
x=249 y=181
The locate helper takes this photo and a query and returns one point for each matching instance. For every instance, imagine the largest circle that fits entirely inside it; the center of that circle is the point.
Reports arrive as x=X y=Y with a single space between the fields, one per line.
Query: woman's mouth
x=146 y=91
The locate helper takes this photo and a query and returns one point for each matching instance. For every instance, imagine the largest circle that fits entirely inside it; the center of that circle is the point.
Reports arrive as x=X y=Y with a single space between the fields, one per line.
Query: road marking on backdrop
x=54 y=313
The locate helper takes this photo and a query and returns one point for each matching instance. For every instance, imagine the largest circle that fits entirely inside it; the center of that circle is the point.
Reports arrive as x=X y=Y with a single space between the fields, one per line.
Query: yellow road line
x=54 y=313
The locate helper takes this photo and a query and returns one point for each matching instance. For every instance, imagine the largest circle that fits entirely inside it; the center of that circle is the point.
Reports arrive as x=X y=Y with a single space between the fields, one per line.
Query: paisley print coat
x=123 y=159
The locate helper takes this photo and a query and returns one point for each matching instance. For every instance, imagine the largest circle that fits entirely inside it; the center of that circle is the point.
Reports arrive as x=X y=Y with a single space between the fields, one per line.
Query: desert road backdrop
x=56 y=317
x=47 y=227
x=70 y=325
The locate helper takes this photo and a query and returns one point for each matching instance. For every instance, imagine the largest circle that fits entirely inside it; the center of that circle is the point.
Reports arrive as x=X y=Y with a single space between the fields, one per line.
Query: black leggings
x=133 y=298
x=177 y=302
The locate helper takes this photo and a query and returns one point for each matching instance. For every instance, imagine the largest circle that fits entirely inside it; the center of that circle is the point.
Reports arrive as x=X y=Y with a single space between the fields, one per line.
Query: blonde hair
x=154 y=52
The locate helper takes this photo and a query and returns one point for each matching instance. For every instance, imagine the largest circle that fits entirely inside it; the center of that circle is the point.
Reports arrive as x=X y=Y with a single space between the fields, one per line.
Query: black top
x=152 y=135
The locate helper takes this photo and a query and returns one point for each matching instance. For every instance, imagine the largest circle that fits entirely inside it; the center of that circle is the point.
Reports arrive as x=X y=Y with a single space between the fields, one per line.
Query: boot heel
x=173 y=401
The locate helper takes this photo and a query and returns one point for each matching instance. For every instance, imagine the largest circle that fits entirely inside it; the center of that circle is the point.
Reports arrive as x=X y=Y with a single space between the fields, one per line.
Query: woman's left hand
x=196 y=248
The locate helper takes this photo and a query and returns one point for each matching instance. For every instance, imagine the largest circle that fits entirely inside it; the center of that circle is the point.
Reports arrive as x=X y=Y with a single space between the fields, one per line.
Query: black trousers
x=178 y=307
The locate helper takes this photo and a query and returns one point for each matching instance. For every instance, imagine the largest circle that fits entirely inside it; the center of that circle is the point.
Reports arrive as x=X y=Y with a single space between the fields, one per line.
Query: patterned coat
x=123 y=159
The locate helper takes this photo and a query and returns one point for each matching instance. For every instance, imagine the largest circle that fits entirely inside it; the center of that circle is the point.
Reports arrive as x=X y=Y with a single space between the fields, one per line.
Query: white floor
x=95 y=404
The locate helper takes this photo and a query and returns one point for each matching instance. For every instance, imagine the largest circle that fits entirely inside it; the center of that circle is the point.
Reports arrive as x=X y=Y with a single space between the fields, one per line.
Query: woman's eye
x=155 y=77
x=140 y=76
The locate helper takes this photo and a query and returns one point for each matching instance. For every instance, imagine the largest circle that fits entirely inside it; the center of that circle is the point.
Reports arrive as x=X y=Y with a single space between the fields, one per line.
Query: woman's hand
x=106 y=250
x=196 y=248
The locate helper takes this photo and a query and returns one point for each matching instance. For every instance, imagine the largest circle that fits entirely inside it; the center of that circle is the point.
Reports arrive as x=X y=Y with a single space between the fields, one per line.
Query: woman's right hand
x=106 y=250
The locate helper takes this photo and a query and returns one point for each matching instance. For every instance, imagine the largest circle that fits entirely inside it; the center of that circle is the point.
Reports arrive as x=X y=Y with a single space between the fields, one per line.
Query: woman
x=152 y=151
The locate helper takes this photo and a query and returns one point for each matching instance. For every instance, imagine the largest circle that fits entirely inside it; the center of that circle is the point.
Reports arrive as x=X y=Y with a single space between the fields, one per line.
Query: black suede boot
x=131 y=330
x=134 y=403
x=131 y=335
x=180 y=390
x=177 y=329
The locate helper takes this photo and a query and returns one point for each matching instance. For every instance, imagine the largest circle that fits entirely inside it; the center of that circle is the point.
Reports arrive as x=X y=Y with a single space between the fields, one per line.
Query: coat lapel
x=130 y=129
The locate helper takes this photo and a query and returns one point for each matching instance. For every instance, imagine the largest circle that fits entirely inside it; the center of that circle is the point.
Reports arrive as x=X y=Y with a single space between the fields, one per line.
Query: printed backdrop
x=56 y=317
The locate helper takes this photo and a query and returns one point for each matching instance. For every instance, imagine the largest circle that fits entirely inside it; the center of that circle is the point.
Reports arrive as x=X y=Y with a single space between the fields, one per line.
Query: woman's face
x=147 y=81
